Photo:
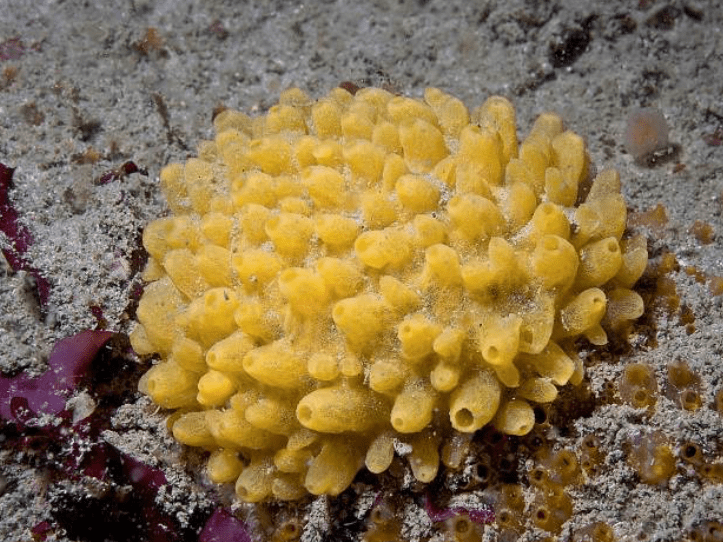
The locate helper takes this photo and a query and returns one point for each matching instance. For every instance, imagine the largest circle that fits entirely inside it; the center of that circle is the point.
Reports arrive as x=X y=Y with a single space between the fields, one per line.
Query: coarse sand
x=86 y=87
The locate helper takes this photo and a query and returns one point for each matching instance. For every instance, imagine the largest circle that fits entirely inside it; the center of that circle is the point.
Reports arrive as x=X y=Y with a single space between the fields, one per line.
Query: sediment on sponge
x=354 y=273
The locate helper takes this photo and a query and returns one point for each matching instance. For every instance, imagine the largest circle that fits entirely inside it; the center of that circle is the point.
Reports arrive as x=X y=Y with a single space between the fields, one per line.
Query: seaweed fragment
x=19 y=237
x=23 y=397
x=112 y=496
x=223 y=526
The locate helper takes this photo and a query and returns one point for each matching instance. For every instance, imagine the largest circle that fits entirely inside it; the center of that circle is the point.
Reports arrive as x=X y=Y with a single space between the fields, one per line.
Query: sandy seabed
x=88 y=87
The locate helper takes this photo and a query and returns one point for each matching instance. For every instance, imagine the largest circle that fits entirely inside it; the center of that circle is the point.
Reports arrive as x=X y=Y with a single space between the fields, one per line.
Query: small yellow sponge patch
x=348 y=273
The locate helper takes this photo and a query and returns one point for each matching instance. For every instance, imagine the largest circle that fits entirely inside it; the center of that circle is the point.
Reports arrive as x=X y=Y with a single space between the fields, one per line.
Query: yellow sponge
x=341 y=275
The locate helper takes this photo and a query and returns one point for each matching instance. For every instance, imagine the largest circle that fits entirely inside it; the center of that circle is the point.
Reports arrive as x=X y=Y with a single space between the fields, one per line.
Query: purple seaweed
x=78 y=449
x=23 y=398
x=84 y=454
x=41 y=530
x=481 y=516
x=18 y=235
x=11 y=49
x=223 y=526
x=146 y=481
x=126 y=168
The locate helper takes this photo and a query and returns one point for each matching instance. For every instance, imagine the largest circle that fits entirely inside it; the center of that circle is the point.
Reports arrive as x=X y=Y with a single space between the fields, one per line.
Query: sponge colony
x=347 y=273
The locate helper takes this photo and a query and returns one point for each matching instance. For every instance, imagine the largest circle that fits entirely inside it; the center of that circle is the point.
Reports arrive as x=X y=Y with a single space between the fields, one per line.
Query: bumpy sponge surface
x=344 y=274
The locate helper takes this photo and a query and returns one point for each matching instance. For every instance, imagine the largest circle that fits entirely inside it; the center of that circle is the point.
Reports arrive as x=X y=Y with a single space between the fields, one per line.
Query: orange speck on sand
x=656 y=219
x=716 y=286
